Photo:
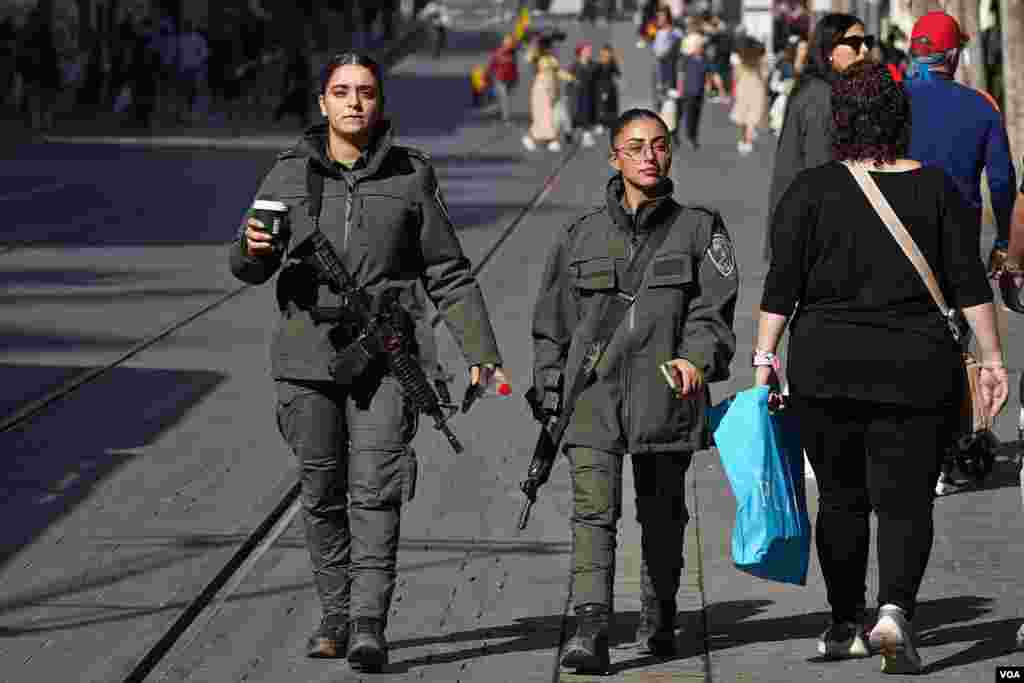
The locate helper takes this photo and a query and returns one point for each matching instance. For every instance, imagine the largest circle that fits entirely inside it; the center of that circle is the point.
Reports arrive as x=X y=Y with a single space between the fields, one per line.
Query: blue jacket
x=961 y=131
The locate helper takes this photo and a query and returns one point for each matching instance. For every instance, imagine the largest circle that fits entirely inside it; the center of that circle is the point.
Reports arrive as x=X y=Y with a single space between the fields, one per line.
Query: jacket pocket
x=593 y=275
x=674 y=269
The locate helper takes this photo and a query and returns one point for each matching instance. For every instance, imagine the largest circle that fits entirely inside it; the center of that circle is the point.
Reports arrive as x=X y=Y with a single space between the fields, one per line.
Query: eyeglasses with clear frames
x=635 y=149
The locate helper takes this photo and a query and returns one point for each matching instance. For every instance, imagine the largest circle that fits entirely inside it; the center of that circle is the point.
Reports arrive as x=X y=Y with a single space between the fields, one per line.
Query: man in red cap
x=955 y=127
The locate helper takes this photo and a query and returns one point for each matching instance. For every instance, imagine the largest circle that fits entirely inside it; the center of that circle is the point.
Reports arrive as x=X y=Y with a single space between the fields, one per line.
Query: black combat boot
x=587 y=650
x=330 y=639
x=367 y=649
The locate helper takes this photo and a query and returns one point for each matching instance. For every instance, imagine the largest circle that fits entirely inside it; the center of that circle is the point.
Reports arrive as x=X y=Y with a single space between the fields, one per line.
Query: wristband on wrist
x=765 y=359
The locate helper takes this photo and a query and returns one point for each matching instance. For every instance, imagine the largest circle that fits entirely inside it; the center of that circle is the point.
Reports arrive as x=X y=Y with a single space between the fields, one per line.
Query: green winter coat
x=685 y=310
x=388 y=222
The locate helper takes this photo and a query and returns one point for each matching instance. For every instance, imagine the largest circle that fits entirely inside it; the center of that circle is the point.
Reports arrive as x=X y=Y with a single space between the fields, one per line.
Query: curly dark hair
x=870 y=115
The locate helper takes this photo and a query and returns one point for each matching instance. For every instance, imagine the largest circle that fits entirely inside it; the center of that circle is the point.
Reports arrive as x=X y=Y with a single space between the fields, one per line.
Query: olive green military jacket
x=684 y=310
x=389 y=224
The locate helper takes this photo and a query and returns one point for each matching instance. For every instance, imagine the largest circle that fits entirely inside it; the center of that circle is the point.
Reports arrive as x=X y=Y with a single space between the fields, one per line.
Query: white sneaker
x=587 y=139
x=744 y=148
x=599 y=129
x=894 y=638
x=528 y=143
x=554 y=146
x=843 y=641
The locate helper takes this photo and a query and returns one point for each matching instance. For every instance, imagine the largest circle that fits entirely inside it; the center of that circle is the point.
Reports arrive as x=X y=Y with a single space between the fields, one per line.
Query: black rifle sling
x=602 y=322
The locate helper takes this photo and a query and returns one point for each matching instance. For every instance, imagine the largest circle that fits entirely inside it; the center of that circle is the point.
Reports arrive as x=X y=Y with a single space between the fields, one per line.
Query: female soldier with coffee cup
x=384 y=215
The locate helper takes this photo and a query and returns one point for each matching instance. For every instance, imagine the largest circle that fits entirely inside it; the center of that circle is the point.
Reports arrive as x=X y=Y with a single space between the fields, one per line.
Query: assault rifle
x=382 y=329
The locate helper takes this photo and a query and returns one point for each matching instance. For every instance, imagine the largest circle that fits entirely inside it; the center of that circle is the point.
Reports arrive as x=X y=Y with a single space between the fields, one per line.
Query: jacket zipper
x=626 y=398
x=348 y=213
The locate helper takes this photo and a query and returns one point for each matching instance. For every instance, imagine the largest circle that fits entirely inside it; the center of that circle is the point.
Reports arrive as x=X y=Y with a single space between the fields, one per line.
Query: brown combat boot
x=587 y=651
x=330 y=639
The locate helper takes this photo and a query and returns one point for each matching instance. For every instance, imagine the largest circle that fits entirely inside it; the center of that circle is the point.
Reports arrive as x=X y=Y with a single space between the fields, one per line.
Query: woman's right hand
x=993 y=388
x=258 y=242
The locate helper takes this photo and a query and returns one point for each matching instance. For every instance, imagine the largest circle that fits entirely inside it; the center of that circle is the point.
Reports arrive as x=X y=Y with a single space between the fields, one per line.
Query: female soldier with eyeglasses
x=681 y=325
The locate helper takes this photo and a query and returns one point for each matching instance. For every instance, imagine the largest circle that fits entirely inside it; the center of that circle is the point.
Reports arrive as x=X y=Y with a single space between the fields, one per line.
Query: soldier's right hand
x=258 y=242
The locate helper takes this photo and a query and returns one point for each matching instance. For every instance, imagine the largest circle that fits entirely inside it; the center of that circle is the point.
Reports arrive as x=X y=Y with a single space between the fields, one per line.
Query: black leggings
x=873 y=457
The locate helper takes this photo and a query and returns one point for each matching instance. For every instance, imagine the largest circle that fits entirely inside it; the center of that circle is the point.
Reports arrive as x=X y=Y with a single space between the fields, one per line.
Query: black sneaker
x=843 y=641
x=329 y=640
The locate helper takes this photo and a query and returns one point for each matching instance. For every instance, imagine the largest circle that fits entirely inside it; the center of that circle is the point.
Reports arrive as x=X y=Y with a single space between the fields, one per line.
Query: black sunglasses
x=855 y=42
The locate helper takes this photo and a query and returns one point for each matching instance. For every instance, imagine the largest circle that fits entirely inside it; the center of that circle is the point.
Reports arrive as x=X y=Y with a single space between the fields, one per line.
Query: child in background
x=504 y=74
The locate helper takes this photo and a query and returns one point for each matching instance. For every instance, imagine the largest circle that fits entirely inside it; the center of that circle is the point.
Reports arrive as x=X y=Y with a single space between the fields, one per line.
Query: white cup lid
x=270 y=205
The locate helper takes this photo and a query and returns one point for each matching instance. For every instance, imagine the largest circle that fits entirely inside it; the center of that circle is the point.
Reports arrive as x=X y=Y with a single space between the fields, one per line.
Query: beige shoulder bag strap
x=978 y=418
x=903 y=238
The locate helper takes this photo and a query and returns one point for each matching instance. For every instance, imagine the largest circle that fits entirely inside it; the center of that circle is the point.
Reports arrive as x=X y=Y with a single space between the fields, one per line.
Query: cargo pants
x=659 y=482
x=356 y=470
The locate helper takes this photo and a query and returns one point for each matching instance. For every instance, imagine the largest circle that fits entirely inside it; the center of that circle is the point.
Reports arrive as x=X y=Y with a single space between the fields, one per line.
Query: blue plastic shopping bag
x=764 y=462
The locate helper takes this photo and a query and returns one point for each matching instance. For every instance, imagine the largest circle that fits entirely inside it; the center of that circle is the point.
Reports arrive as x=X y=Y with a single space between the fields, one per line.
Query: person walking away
x=606 y=87
x=876 y=378
x=504 y=75
x=351 y=435
x=297 y=87
x=544 y=93
x=837 y=42
x=751 y=102
x=694 y=74
x=939 y=104
x=681 y=323
x=584 y=93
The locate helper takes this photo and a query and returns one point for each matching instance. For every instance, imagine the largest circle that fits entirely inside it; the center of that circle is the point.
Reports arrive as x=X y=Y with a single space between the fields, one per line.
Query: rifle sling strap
x=605 y=318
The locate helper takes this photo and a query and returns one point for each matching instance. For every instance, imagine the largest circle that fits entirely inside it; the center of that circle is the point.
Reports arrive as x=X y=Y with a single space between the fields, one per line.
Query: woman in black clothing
x=606 y=87
x=838 y=41
x=875 y=376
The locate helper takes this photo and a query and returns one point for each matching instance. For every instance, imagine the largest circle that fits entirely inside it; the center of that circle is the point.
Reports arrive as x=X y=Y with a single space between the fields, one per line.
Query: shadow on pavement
x=53 y=462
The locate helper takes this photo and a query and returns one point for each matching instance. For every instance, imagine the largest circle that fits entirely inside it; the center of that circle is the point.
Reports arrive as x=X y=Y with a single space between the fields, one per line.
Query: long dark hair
x=828 y=30
x=351 y=59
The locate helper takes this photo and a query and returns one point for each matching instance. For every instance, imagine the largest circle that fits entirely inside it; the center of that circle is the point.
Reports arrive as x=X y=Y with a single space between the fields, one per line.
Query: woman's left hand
x=993 y=388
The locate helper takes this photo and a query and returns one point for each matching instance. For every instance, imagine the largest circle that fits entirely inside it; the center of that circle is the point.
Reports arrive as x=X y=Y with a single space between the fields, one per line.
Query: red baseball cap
x=936 y=32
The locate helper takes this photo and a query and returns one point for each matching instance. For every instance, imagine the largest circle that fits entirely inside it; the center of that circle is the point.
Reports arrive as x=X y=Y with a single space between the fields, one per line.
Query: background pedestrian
x=805 y=140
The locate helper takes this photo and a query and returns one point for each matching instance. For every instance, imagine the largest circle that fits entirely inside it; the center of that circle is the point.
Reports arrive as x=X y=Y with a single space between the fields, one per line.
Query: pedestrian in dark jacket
x=384 y=214
x=681 y=323
x=297 y=87
x=694 y=69
x=804 y=141
x=584 y=93
x=606 y=87
x=37 y=62
x=876 y=377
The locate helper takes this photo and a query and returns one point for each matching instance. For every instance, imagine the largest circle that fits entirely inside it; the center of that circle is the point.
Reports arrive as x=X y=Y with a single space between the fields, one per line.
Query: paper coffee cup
x=272 y=213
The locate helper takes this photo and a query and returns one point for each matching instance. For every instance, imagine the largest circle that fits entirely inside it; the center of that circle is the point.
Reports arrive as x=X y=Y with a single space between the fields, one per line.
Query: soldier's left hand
x=689 y=380
x=484 y=375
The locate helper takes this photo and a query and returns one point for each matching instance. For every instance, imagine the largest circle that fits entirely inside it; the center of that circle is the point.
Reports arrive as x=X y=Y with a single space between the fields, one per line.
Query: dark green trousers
x=659 y=481
x=356 y=469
